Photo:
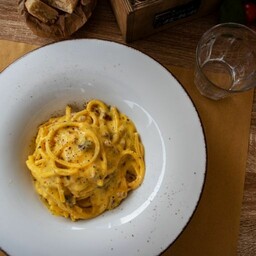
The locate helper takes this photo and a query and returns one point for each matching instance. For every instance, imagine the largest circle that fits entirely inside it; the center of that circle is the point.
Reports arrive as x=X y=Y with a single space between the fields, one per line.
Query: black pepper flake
x=107 y=117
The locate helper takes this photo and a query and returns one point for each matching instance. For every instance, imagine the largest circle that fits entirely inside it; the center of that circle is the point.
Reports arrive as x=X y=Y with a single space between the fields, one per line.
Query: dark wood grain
x=178 y=43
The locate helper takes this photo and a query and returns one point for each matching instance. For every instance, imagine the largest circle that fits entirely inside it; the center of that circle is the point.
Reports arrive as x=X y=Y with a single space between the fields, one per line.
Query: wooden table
x=178 y=43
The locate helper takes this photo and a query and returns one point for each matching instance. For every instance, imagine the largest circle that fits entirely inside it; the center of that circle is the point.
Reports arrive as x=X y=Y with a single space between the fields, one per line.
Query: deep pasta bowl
x=149 y=220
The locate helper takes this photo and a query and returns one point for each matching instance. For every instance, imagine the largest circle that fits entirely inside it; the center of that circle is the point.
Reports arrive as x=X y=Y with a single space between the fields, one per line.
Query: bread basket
x=64 y=25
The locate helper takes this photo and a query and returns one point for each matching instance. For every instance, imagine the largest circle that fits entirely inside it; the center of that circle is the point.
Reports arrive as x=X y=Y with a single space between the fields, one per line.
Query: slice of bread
x=41 y=11
x=63 y=5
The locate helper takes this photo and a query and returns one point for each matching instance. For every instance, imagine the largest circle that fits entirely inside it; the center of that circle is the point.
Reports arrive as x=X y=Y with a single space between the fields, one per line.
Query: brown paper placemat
x=213 y=229
x=10 y=51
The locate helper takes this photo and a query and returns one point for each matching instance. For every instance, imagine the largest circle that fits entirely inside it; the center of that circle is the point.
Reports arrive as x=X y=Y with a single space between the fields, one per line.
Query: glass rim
x=198 y=67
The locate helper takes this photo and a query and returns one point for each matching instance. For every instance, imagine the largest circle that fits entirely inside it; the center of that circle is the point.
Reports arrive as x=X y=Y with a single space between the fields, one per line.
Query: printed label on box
x=176 y=13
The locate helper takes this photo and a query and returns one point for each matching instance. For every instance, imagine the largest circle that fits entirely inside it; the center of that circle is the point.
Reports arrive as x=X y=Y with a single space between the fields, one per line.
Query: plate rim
x=205 y=172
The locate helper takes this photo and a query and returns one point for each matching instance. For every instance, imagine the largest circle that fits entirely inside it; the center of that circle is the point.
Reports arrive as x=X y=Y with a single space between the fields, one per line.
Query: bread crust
x=66 y=23
x=42 y=11
x=63 y=5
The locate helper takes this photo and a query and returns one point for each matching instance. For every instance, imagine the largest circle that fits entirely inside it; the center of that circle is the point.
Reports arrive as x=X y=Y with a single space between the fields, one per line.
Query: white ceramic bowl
x=42 y=83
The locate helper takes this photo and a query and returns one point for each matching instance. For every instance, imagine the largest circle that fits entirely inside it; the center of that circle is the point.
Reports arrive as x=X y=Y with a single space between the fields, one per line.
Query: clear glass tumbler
x=226 y=61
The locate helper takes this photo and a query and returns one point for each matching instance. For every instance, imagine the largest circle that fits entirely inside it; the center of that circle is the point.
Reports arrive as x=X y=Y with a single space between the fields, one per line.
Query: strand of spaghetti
x=83 y=114
x=98 y=103
x=86 y=162
x=62 y=171
x=61 y=193
x=60 y=148
x=116 y=122
x=39 y=162
x=140 y=171
x=52 y=171
x=76 y=116
x=138 y=146
x=134 y=184
x=37 y=172
x=103 y=160
x=41 y=151
x=94 y=119
x=70 y=164
x=68 y=113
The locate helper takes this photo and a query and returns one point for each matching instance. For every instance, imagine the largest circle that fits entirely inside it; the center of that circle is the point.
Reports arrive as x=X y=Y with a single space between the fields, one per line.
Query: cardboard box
x=140 y=18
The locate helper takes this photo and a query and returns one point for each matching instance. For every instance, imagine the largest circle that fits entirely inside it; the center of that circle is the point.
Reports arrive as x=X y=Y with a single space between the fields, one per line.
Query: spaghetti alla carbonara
x=85 y=163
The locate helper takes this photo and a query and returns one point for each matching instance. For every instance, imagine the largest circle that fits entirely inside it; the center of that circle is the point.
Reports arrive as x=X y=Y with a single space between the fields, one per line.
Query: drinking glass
x=226 y=61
